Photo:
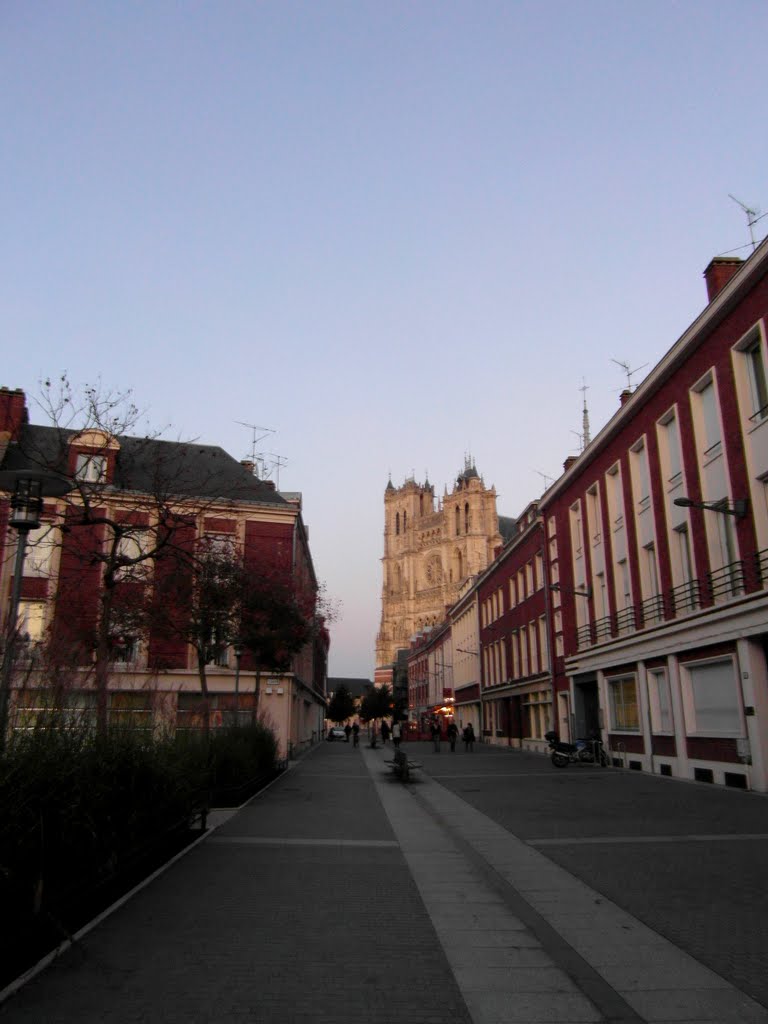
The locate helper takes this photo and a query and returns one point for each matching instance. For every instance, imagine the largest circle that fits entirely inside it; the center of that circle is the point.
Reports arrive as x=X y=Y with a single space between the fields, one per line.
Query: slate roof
x=150 y=466
x=356 y=686
x=507 y=528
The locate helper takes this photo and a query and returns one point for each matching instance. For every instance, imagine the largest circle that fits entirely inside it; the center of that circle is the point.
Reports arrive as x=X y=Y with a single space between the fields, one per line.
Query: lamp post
x=737 y=509
x=28 y=488
x=237 y=647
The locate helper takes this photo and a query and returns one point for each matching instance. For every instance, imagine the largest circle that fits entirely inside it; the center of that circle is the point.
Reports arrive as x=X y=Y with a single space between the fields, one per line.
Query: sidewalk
x=339 y=894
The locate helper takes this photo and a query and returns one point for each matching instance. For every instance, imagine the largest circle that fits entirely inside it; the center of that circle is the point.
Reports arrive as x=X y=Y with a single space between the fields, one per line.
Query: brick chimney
x=719 y=272
x=625 y=396
x=13 y=412
x=569 y=462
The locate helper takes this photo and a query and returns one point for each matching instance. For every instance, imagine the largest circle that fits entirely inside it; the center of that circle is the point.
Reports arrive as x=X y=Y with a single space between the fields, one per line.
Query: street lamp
x=572 y=590
x=237 y=647
x=28 y=487
x=738 y=509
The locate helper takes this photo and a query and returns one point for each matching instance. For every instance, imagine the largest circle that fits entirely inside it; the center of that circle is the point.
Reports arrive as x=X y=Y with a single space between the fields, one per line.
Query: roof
x=357 y=687
x=507 y=527
x=150 y=466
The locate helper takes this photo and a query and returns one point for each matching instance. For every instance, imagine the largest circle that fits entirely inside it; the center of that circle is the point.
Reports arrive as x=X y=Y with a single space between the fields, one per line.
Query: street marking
x=589 y=840
x=277 y=841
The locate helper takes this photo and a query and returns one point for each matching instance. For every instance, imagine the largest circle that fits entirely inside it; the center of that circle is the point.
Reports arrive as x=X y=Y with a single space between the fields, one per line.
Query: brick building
x=133 y=495
x=657 y=543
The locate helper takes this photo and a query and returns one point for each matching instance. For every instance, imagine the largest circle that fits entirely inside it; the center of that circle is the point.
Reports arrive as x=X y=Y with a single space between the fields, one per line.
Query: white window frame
x=91 y=468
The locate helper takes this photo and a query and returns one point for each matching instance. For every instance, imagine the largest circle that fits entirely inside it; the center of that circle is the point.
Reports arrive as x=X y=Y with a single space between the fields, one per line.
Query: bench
x=401 y=766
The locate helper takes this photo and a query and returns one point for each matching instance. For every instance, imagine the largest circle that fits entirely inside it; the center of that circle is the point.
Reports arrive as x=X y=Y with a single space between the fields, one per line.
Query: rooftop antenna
x=277 y=462
x=752 y=216
x=629 y=373
x=585 y=438
x=545 y=477
x=580 y=436
x=254 y=456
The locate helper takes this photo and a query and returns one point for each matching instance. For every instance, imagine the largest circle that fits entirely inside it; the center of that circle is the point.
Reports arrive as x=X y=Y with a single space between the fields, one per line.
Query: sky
x=392 y=233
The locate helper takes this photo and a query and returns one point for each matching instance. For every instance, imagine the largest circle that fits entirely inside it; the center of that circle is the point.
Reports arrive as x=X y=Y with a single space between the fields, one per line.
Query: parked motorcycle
x=580 y=752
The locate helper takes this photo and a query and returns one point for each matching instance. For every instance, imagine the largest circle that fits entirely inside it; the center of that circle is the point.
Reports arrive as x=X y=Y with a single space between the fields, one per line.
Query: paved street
x=493 y=888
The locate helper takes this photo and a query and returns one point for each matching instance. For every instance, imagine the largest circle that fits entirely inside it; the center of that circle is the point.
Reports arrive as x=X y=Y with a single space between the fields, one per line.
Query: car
x=336 y=733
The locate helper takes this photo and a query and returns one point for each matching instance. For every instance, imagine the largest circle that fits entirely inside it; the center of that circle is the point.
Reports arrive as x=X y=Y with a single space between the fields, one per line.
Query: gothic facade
x=430 y=548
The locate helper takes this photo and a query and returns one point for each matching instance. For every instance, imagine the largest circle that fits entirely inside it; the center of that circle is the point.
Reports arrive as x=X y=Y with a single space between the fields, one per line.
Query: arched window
x=466 y=518
x=405 y=520
x=460 y=565
x=421 y=504
x=397 y=523
x=458 y=520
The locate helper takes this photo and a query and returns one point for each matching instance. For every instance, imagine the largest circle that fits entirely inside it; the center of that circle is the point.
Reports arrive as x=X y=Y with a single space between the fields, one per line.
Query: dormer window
x=91 y=469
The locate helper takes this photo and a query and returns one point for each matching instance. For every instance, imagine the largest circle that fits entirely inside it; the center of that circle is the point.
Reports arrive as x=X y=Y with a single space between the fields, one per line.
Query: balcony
x=720 y=585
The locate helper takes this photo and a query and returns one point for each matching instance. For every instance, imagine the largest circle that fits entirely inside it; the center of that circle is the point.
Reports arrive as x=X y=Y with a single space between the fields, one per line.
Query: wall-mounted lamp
x=738 y=508
x=571 y=590
x=466 y=650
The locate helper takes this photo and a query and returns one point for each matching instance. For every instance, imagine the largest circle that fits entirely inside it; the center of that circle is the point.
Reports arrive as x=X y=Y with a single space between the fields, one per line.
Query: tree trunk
x=201 y=672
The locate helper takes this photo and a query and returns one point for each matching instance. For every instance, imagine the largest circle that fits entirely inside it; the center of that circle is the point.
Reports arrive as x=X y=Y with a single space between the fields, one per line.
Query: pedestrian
x=453 y=735
x=436 y=735
x=355 y=734
x=384 y=732
x=347 y=730
x=397 y=733
x=469 y=738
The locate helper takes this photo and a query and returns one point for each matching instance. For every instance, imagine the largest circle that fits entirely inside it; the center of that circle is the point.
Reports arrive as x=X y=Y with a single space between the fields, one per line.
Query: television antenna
x=258 y=434
x=629 y=373
x=545 y=477
x=752 y=216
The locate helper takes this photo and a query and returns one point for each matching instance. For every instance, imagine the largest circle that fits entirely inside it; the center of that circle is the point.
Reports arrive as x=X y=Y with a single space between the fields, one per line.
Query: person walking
x=355 y=734
x=347 y=730
x=384 y=732
x=397 y=733
x=469 y=738
x=453 y=735
x=436 y=735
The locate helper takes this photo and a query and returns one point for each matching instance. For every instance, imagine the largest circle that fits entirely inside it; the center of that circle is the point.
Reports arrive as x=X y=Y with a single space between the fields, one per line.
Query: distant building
x=430 y=551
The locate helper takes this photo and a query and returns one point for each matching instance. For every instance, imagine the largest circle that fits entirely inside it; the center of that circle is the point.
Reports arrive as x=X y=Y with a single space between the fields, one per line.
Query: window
x=534 y=650
x=466 y=518
x=660 y=700
x=512 y=601
x=523 y=651
x=39 y=551
x=576 y=534
x=31 y=621
x=624 y=710
x=91 y=469
x=707 y=418
x=130 y=547
x=543 y=646
x=640 y=479
x=131 y=709
x=539 y=571
x=669 y=437
x=757 y=382
x=712 y=705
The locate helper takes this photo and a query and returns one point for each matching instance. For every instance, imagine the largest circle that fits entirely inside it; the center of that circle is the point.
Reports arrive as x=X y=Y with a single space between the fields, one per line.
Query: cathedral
x=430 y=549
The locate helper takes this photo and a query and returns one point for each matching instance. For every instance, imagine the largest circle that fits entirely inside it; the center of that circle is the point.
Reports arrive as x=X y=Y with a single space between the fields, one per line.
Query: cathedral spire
x=585 y=437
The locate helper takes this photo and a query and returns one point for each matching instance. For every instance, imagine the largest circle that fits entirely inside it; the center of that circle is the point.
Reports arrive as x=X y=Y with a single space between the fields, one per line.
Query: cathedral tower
x=429 y=550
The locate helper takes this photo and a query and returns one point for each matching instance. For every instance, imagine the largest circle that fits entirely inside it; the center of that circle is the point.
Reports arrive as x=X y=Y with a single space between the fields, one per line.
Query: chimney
x=625 y=396
x=719 y=272
x=247 y=464
x=13 y=412
x=569 y=462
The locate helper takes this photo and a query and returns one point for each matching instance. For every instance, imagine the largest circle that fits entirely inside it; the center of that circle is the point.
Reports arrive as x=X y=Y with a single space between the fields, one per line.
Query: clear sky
x=392 y=232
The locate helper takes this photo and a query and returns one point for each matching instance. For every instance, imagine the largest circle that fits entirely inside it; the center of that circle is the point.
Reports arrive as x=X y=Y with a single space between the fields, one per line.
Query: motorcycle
x=580 y=752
